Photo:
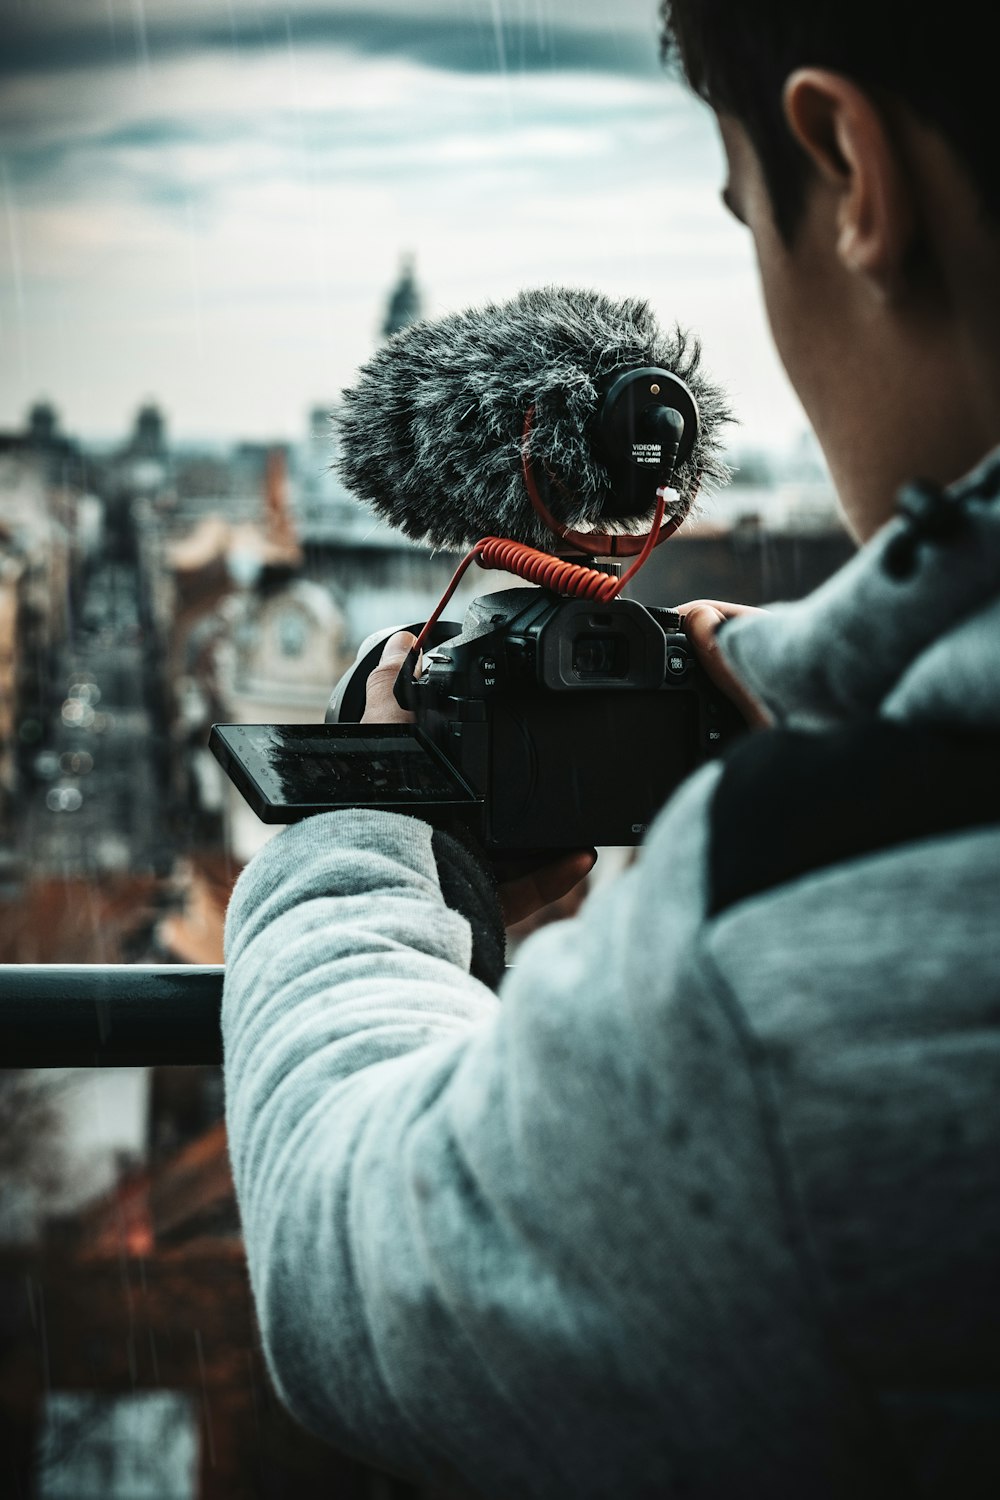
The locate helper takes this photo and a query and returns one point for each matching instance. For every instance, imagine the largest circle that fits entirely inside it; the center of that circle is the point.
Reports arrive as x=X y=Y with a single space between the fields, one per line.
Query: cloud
x=218 y=227
x=479 y=36
x=206 y=123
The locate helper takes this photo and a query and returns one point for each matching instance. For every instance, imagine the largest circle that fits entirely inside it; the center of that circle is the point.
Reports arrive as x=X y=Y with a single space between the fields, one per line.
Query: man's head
x=861 y=158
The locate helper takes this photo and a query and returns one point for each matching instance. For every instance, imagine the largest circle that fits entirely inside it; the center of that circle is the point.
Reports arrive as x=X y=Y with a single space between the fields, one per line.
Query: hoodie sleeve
x=536 y=1246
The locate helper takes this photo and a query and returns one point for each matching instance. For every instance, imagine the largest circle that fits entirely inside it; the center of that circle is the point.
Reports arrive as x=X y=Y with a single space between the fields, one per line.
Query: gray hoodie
x=707 y=1201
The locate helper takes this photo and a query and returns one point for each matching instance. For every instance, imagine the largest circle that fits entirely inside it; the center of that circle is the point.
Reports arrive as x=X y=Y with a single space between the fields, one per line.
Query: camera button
x=488 y=667
x=677 y=662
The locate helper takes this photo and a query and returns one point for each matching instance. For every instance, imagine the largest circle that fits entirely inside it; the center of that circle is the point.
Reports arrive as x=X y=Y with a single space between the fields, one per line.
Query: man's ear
x=847 y=139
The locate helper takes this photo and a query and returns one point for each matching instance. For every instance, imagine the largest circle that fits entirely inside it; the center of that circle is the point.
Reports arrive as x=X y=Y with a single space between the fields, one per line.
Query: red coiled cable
x=555 y=573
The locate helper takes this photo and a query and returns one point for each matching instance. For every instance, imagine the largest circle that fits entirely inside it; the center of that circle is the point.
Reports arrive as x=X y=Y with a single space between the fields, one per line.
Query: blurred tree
x=31 y=1170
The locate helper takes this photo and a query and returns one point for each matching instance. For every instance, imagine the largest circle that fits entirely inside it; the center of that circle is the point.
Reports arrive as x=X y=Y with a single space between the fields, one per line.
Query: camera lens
x=600 y=656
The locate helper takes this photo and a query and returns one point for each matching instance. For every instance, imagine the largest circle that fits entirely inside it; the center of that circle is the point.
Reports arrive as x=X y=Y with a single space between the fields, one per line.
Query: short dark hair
x=737 y=54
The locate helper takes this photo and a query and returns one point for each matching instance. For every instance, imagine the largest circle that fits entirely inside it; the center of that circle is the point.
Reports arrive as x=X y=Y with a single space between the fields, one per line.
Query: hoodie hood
x=924 y=647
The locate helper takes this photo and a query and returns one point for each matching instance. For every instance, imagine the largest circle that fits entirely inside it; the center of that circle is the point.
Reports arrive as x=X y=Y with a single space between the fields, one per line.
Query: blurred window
x=291 y=633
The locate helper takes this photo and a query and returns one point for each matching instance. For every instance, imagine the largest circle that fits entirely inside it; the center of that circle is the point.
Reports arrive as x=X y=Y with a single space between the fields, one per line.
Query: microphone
x=606 y=408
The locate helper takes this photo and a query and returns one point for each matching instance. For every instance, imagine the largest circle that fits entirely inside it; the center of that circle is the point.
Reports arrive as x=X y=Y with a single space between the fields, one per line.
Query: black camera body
x=571 y=721
x=543 y=723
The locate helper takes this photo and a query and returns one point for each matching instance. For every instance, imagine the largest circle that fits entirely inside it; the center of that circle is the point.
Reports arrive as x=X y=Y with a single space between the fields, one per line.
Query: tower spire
x=405 y=304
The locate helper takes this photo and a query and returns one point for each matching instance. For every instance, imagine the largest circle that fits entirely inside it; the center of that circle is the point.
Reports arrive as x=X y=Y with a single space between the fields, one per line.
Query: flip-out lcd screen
x=290 y=771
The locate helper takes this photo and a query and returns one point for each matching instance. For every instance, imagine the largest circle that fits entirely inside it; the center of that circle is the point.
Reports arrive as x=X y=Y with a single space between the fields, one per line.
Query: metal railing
x=109 y=1015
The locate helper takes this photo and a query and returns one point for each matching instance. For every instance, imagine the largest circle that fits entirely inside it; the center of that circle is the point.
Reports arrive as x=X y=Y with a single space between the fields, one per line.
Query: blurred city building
x=43 y=528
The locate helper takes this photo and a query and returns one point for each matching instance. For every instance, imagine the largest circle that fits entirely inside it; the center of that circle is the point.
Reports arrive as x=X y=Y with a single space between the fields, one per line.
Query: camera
x=543 y=723
x=557 y=715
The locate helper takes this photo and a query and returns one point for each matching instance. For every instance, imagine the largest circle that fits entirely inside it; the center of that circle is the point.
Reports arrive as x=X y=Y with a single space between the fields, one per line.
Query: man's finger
x=701 y=621
x=380 y=701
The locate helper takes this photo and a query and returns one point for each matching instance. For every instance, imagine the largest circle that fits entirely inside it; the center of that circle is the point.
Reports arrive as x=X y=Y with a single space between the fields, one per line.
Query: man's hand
x=521 y=894
x=702 y=618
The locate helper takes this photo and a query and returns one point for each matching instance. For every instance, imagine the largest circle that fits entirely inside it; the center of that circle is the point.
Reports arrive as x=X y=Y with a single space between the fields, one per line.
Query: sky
x=205 y=202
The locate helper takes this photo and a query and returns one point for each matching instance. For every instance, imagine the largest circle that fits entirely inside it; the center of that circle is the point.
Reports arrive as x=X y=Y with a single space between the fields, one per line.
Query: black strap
x=791 y=802
x=469 y=886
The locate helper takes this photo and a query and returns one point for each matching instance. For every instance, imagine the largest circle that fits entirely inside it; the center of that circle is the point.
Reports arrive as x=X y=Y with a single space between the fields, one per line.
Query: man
x=706 y=1203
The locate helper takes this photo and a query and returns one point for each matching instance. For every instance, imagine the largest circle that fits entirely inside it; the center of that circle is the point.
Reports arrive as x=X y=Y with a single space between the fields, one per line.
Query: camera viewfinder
x=600 y=656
